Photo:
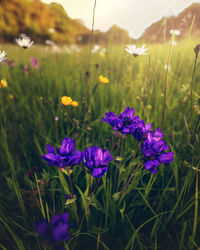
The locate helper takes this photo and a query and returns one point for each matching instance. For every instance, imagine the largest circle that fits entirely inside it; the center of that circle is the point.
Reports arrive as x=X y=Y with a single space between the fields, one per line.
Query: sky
x=132 y=15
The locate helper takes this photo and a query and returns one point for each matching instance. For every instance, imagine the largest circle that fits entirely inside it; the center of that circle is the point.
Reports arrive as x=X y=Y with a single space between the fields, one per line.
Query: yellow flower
x=103 y=80
x=74 y=104
x=149 y=106
x=3 y=84
x=11 y=96
x=66 y=100
x=103 y=55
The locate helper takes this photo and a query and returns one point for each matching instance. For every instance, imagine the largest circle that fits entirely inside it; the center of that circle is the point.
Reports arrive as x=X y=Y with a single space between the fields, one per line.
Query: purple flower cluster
x=153 y=148
x=127 y=123
x=11 y=64
x=35 y=63
x=64 y=156
x=94 y=159
x=56 y=231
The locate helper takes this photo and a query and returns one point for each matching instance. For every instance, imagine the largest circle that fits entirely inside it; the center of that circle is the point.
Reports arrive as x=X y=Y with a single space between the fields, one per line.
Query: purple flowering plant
x=127 y=123
x=34 y=62
x=55 y=231
x=152 y=145
x=66 y=156
x=97 y=160
x=153 y=148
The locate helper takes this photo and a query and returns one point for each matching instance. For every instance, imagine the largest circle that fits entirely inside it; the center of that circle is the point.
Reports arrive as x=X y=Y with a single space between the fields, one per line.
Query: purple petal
x=42 y=228
x=60 y=232
x=55 y=220
x=166 y=157
x=50 y=149
x=50 y=157
x=65 y=217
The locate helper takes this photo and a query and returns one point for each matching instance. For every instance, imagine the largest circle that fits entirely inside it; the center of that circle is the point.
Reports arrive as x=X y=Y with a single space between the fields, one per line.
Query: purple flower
x=65 y=156
x=42 y=228
x=34 y=62
x=56 y=231
x=11 y=64
x=127 y=123
x=152 y=148
x=138 y=129
x=26 y=69
x=96 y=161
x=67 y=196
x=60 y=227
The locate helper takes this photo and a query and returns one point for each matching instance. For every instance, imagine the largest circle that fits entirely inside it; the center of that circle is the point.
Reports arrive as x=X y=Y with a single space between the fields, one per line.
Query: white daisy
x=133 y=50
x=2 y=56
x=169 y=67
x=24 y=42
x=96 y=48
x=176 y=32
x=174 y=43
x=51 y=30
x=49 y=42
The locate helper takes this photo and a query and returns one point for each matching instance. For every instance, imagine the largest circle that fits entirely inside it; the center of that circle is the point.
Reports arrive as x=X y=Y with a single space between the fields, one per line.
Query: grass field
x=157 y=211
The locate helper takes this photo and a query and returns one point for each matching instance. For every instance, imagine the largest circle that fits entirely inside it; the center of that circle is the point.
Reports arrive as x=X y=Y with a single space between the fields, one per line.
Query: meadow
x=155 y=211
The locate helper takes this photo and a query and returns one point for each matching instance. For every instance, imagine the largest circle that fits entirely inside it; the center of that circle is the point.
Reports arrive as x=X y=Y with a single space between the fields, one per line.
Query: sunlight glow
x=132 y=15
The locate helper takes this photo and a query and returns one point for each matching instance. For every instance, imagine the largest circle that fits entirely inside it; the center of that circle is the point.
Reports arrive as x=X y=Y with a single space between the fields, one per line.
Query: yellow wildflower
x=103 y=55
x=103 y=80
x=66 y=100
x=3 y=84
x=11 y=96
x=149 y=106
x=74 y=104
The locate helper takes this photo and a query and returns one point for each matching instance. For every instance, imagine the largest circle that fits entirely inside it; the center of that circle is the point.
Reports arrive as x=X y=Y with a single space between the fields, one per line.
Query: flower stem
x=195 y=131
x=72 y=191
x=130 y=178
x=166 y=82
x=90 y=183
x=96 y=186
x=191 y=90
x=70 y=183
x=119 y=172
x=196 y=208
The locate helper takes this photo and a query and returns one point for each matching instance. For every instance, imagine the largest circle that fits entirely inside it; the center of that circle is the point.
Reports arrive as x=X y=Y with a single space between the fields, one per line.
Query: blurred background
x=50 y=21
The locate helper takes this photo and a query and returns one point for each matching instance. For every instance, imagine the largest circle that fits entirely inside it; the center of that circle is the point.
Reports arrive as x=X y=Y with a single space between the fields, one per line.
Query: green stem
x=90 y=183
x=166 y=82
x=72 y=191
x=130 y=178
x=191 y=90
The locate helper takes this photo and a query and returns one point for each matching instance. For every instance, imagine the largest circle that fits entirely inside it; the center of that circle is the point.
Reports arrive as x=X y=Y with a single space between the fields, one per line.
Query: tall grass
x=156 y=211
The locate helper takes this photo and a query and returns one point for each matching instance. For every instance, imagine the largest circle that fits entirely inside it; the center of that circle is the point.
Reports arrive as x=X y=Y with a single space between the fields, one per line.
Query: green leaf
x=95 y=230
x=116 y=196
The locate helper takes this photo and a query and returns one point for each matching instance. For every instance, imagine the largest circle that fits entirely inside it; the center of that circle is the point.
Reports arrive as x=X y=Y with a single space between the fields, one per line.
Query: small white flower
x=174 y=43
x=51 y=30
x=2 y=56
x=169 y=67
x=103 y=50
x=24 y=42
x=176 y=32
x=96 y=48
x=49 y=42
x=133 y=50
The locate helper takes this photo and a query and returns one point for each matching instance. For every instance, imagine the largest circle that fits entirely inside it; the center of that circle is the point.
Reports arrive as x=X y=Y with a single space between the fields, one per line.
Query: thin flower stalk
x=195 y=130
x=130 y=178
x=72 y=192
x=90 y=184
x=166 y=81
x=196 y=49
x=196 y=207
